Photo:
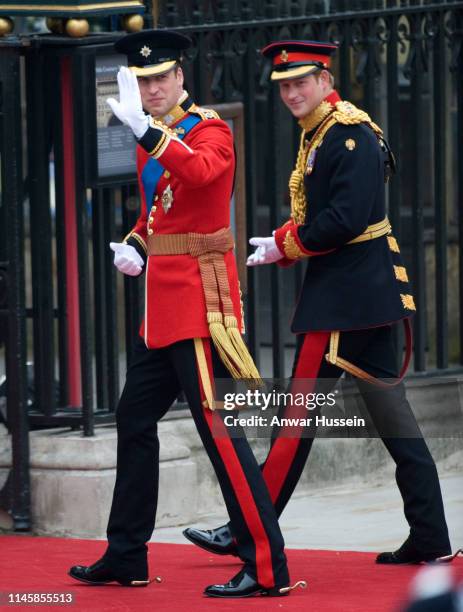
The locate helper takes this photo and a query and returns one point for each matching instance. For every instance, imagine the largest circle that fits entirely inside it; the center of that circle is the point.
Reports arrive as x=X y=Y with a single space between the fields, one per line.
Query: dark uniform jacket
x=346 y=286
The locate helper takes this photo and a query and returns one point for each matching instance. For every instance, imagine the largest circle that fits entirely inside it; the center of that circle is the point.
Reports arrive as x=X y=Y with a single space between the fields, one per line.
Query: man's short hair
x=318 y=73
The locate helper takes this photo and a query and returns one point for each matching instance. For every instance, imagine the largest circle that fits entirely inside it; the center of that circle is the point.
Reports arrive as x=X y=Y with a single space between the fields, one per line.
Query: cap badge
x=284 y=56
x=350 y=144
x=145 y=51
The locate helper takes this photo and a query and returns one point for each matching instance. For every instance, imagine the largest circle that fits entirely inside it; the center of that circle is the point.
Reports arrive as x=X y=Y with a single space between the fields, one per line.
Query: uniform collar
x=178 y=111
x=326 y=106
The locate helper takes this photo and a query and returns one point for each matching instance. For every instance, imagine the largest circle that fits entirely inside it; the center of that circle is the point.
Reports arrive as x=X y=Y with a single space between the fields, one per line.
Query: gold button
x=150 y=231
x=150 y=220
x=167 y=174
x=154 y=208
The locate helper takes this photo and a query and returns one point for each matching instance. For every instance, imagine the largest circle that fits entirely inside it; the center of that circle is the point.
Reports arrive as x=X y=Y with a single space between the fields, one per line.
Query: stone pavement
x=356 y=515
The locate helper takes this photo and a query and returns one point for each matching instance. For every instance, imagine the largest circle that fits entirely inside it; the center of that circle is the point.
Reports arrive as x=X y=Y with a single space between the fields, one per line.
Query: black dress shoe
x=218 y=541
x=409 y=554
x=99 y=574
x=242 y=585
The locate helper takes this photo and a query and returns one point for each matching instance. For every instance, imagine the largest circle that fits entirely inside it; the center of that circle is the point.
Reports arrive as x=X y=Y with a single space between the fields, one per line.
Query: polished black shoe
x=99 y=574
x=243 y=585
x=409 y=554
x=218 y=541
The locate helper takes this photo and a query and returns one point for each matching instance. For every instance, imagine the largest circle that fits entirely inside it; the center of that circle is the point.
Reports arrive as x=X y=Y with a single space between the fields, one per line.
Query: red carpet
x=337 y=581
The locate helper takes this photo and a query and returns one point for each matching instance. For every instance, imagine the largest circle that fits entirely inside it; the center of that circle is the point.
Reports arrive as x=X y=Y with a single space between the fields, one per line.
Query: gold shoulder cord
x=296 y=184
x=204 y=113
x=344 y=113
x=296 y=181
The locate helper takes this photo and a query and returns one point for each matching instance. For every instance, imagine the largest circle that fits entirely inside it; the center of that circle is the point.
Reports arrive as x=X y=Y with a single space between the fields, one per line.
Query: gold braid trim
x=138 y=238
x=401 y=274
x=407 y=301
x=296 y=184
x=292 y=250
x=393 y=244
x=345 y=113
x=314 y=118
x=348 y=114
x=204 y=113
x=296 y=181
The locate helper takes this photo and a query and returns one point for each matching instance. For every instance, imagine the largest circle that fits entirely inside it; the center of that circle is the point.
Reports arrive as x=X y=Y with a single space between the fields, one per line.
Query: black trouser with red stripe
x=154 y=380
x=372 y=350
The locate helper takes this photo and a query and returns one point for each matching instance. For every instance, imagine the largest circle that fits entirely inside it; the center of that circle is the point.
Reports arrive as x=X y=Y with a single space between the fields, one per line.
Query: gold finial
x=6 y=26
x=76 y=28
x=132 y=23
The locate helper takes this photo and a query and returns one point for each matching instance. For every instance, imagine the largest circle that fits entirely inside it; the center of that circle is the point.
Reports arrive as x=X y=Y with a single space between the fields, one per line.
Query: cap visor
x=292 y=73
x=154 y=69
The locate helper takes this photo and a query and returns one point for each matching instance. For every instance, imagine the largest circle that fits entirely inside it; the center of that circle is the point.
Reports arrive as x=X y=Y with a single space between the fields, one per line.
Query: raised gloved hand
x=126 y=258
x=266 y=252
x=129 y=109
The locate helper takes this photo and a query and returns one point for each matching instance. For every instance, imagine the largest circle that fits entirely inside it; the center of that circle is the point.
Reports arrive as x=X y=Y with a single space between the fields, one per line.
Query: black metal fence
x=400 y=61
x=15 y=495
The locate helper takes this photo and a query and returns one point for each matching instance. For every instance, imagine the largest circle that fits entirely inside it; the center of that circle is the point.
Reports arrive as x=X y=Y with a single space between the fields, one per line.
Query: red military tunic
x=201 y=183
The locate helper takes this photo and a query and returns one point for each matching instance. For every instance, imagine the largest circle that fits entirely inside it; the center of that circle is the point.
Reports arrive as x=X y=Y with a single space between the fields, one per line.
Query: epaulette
x=204 y=113
x=348 y=114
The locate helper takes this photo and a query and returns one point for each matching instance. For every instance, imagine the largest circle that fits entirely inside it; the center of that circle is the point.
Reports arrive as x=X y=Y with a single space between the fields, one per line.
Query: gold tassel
x=222 y=343
x=247 y=365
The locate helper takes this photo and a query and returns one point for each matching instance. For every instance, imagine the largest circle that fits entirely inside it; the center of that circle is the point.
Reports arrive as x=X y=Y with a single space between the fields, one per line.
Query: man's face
x=302 y=95
x=160 y=93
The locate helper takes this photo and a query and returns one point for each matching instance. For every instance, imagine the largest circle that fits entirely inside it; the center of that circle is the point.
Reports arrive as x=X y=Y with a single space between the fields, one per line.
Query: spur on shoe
x=244 y=585
x=218 y=541
x=100 y=574
x=408 y=553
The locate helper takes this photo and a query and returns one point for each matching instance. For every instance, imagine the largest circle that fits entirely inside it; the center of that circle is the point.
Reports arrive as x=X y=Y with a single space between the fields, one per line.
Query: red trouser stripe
x=284 y=448
x=241 y=488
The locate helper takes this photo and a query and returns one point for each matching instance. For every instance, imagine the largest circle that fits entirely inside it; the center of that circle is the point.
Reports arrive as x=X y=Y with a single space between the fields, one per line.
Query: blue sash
x=153 y=169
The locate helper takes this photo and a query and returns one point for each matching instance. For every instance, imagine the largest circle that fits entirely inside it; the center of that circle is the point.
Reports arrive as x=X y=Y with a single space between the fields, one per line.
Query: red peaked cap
x=296 y=58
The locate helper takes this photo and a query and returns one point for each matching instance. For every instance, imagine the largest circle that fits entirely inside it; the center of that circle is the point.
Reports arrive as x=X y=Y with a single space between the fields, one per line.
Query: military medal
x=167 y=198
x=310 y=161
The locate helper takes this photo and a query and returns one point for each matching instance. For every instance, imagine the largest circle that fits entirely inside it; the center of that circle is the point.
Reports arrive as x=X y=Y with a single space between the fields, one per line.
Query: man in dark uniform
x=355 y=288
x=192 y=325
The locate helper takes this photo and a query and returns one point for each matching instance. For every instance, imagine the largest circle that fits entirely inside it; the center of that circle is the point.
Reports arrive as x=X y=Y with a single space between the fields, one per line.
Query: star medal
x=167 y=198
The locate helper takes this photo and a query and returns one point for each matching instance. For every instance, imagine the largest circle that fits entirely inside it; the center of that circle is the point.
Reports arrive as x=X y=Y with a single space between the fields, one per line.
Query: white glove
x=129 y=109
x=126 y=258
x=266 y=252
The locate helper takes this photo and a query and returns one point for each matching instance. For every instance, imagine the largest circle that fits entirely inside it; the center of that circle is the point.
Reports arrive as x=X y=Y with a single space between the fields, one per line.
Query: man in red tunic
x=191 y=333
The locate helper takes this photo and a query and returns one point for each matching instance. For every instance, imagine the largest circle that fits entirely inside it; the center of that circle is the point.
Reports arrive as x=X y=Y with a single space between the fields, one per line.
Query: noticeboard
x=115 y=142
